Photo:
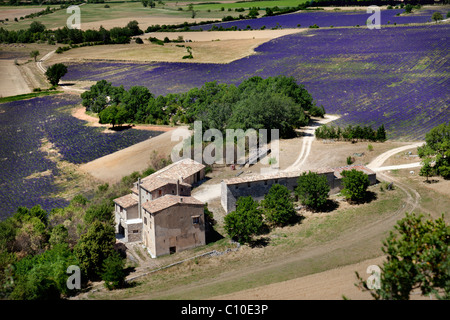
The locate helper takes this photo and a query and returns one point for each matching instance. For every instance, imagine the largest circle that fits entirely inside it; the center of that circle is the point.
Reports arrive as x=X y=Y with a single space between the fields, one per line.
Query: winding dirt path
x=333 y=284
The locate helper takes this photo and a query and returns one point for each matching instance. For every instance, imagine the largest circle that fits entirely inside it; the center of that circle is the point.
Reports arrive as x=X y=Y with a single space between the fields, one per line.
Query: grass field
x=94 y=15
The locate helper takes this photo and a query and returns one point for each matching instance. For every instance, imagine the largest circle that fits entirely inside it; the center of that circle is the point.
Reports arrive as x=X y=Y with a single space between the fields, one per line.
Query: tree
x=36 y=27
x=381 y=134
x=94 y=247
x=113 y=271
x=408 y=8
x=99 y=212
x=355 y=184
x=245 y=222
x=437 y=148
x=58 y=235
x=436 y=16
x=312 y=190
x=55 y=72
x=426 y=169
x=418 y=257
x=34 y=54
x=134 y=27
x=278 y=205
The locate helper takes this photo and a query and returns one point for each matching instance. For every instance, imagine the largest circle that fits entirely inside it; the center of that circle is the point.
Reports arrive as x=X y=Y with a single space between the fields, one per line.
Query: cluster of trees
x=435 y=153
x=272 y=103
x=38 y=32
x=251 y=217
x=351 y=133
x=277 y=208
x=37 y=247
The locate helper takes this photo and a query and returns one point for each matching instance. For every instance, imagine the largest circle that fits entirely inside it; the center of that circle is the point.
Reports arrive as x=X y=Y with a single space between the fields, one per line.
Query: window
x=248 y=184
x=135 y=231
x=159 y=193
x=145 y=220
x=196 y=220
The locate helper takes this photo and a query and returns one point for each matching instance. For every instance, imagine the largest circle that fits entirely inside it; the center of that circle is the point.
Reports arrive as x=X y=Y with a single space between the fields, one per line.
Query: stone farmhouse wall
x=258 y=188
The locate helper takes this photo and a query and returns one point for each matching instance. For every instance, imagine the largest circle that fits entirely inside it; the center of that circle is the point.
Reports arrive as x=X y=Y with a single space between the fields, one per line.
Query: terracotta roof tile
x=168 y=201
x=127 y=201
x=180 y=169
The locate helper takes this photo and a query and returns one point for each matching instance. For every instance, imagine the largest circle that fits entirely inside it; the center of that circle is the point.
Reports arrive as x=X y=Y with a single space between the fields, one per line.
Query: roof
x=168 y=201
x=338 y=171
x=280 y=175
x=127 y=201
x=156 y=182
x=180 y=169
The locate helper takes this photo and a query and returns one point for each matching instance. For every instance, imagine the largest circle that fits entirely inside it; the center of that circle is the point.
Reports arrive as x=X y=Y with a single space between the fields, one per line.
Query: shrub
x=139 y=41
x=278 y=205
x=245 y=222
x=312 y=190
x=355 y=184
x=113 y=273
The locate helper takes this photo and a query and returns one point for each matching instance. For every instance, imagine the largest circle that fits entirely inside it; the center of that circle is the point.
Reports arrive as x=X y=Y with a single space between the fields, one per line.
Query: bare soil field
x=207 y=47
x=144 y=21
x=12 y=81
x=11 y=13
x=113 y=167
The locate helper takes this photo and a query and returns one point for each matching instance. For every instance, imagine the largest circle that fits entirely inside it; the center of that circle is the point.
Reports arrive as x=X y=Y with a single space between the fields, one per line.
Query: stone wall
x=174 y=227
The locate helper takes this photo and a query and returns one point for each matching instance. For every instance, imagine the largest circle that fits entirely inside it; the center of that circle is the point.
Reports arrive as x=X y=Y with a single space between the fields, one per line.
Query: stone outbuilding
x=257 y=186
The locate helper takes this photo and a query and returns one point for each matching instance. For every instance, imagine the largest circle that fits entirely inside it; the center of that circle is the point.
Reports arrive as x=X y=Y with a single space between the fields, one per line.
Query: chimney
x=139 y=198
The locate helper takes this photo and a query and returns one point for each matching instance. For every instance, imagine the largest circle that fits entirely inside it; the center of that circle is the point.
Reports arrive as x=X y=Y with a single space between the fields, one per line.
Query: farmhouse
x=257 y=186
x=161 y=212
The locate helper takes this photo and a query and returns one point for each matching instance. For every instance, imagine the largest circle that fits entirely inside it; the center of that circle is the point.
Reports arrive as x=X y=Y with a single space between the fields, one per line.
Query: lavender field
x=24 y=126
x=326 y=19
x=396 y=76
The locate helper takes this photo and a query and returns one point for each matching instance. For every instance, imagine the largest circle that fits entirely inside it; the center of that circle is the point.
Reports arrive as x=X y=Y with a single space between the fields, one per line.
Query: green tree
x=408 y=8
x=113 y=273
x=418 y=257
x=437 y=148
x=436 y=16
x=58 y=235
x=108 y=115
x=245 y=222
x=426 y=169
x=94 y=247
x=100 y=212
x=381 y=134
x=355 y=184
x=36 y=27
x=34 y=54
x=278 y=205
x=55 y=72
x=312 y=190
